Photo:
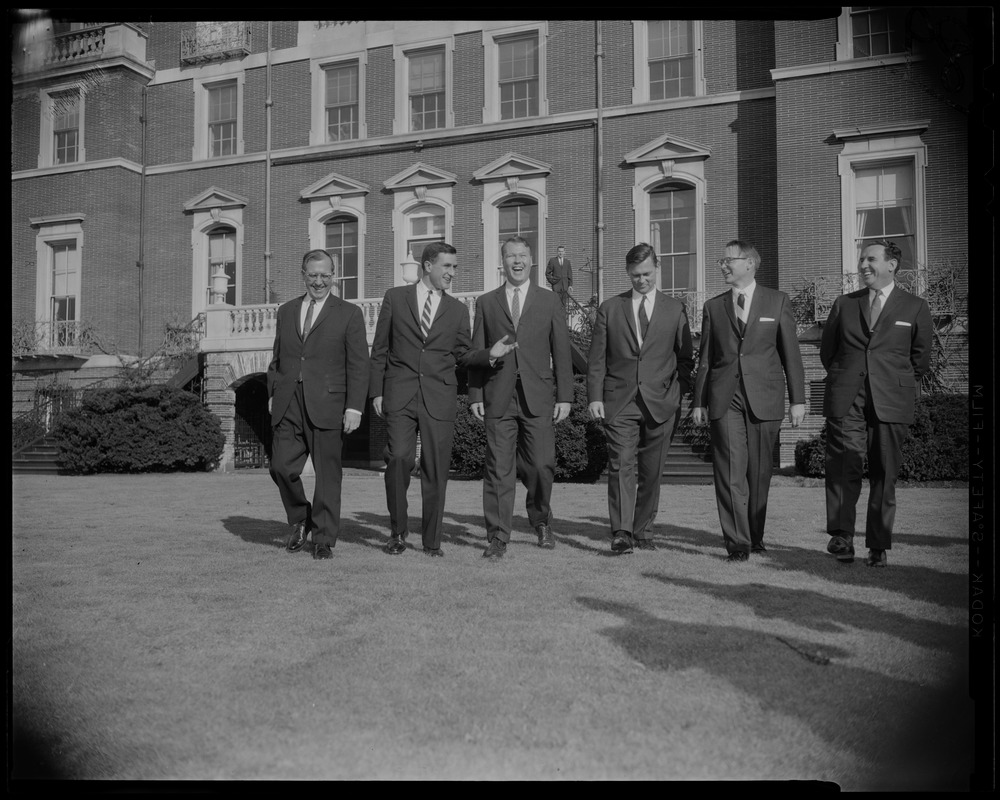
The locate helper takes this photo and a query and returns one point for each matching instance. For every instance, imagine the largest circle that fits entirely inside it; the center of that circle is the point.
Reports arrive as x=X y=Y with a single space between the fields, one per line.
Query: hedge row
x=937 y=448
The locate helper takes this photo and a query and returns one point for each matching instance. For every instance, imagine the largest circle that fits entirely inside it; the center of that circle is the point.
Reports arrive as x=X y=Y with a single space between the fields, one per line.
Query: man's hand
x=502 y=347
x=700 y=415
x=797 y=413
x=352 y=419
x=596 y=409
x=560 y=412
x=377 y=406
x=478 y=410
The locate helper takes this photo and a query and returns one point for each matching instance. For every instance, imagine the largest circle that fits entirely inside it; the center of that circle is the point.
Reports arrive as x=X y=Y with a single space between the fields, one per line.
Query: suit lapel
x=500 y=296
x=629 y=317
x=411 y=301
x=727 y=302
x=323 y=314
x=298 y=316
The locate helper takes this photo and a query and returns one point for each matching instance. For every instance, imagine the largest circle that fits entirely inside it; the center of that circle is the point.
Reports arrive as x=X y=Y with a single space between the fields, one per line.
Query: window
x=877 y=31
x=341 y=105
x=65 y=287
x=61 y=132
x=518 y=63
x=222 y=253
x=883 y=202
x=671 y=59
x=222 y=108
x=58 y=262
x=519 y=217
x=342 y=245
x=673 y=227
x=426 y=89
x=425 y=224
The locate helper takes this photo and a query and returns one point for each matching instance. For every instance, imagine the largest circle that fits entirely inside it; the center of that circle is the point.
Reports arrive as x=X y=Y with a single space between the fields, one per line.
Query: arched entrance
x=252 y=431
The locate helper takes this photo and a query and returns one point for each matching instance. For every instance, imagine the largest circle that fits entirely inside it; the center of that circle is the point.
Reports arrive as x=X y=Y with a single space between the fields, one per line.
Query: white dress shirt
x=747 y=292
x=422 y=292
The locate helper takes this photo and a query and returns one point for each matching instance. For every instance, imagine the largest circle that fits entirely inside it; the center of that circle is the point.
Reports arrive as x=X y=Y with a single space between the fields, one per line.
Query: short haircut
x=433 y=250
x=514 y=240
x=746 y=249
x=892 y=251
x=316 y=255
x=640 y=253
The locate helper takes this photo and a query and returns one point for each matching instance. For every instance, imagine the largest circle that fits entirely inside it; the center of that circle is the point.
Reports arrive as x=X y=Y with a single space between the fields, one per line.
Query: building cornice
x=104 y=163
x=850 y=65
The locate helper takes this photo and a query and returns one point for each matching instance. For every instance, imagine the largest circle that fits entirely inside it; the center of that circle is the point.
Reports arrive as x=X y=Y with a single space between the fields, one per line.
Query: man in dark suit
x=640 y=363
x=559 y=274
x=316 y=384
x=421 y=337
x=520 y=397
x=876 y=346
x=749 y=355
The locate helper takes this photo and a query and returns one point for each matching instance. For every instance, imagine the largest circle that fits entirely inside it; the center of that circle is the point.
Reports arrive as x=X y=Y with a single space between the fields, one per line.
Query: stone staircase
x=38 y=458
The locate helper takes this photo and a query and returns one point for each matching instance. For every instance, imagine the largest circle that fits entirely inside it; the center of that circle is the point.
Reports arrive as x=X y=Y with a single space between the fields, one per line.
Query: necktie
x=741 y=302
x=515 y=307
x=643 y=318
x=425 y=320
x=307 y=325
x=876 y=308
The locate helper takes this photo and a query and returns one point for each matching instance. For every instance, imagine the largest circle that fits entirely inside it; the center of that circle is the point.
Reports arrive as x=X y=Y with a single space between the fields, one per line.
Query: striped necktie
x=307 y=325
x=515 y=307
x=741 y=301
x=425 y=320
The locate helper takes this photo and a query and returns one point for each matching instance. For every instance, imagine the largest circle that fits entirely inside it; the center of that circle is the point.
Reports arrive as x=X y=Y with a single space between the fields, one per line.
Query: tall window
x=341 y=102
x=425 y=224
x=671 y=59
x=222 y=252
x=518 y=74
x=342 y=245
x=877 y=31
x=65 y=288
x=426 y=89
x=884 y=202
x=519 y=217
x=673 y=234
x=222 y=111
x=66 y=127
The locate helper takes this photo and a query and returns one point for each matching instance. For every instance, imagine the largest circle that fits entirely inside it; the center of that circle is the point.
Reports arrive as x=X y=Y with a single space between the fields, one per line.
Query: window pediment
x=667 y=148
x=214 y=198
x=420 y=175
x=914 y=128
x=334 y=185
x=512 y=165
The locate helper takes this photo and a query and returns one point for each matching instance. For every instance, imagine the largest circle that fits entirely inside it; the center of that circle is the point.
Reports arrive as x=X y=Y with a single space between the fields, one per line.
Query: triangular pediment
x=667 y=148
x=420 y=174
x=334 y=185
x=512 y=165
x=214 y=198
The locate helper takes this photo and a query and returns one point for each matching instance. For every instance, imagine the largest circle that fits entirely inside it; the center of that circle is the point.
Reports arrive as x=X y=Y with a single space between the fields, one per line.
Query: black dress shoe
x=433 y=552
x=322 y=550
x=496 y=549
x=738 y=556
x=645 y=544
x=621 y=543
x=545 y=538
x=758 y=548
x=300 y=532
x=876 y=558
x=842 y=547
x=396 y=545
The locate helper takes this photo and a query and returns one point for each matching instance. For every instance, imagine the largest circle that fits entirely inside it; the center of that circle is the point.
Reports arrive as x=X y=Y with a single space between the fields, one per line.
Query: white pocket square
x=905 y=324
x=766 y=319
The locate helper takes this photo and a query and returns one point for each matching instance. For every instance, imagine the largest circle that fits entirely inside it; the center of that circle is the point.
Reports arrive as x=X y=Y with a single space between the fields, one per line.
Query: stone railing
x=92 y=44
x=693 y=303
x=215 y=41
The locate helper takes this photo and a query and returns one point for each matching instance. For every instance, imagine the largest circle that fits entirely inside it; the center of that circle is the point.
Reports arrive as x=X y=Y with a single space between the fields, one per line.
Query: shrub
x=139 y=429
x=936 y=449
x=468 y=450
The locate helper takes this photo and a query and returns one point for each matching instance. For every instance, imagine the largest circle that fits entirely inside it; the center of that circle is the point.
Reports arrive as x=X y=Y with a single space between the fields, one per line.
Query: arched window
x=342 y=245
x=519 y=217
x=221 y=251
x=424 y=225
x=673 y=234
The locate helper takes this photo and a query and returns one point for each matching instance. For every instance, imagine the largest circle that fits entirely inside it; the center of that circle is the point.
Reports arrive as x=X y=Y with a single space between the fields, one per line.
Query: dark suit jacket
x=402 y=362
x=560 y=277
x=618 y=368
x=768 y=353
x=332 y=362
x=893 y=357
x=542 y=358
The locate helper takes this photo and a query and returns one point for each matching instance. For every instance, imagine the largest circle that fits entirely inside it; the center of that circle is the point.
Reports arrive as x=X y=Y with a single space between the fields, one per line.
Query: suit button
x=861 y=374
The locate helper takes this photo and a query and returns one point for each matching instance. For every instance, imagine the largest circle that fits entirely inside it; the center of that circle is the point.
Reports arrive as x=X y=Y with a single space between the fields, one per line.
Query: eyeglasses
x=313 y=275
x=726 y=262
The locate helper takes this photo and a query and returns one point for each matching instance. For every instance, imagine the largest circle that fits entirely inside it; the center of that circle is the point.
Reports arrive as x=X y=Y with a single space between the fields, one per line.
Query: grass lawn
x=160 y=632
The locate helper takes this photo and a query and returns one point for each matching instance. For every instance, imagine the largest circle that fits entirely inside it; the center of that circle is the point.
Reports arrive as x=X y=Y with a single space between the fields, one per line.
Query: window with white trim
x=342 y=107
x=877 y=30
x=518 y=66
x=65 y=290
x=668 y=62
x=222 y=258
x=61 y=130
x=426 y=89
x=425 y=224
x=673 y=225
x=519 y=216
x=218 y=118
x=342 y=245
x=59 y=256
x=884 y=206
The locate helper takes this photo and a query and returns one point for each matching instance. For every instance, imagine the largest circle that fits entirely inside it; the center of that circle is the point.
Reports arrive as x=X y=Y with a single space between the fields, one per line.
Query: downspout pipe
x=140 y=263
x=268 y=103
x=599 y=61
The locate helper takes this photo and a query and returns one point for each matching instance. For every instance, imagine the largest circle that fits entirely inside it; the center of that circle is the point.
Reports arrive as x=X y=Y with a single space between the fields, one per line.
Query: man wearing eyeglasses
x=317 y=382
x=749 y=356
x=876 y=346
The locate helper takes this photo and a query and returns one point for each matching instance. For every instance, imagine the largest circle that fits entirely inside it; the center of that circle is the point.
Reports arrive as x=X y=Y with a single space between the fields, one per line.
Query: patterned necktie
x=643 y=318
x=515 y=307
x=741 y=301
x=425 y=320
x=307 y=325
x=876 y=308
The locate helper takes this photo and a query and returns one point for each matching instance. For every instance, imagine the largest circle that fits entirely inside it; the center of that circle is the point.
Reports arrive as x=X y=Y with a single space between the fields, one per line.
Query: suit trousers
x=518 y=445
x=295 y=438
x=400 y=454
x=742 y=447
x=637 y=450
x=848 y=440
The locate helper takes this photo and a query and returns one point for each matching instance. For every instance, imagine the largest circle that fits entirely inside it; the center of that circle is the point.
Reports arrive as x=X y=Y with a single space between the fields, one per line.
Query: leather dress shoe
x=322 y=551
x=395 y=546
x=842 y=547
x=545 y=538
x=621 y=543
x=495 y=550
x=738 y=556
x=758 y=548
x=645 y=544
x=876 y=558
x=300 y=532
x=433 y=552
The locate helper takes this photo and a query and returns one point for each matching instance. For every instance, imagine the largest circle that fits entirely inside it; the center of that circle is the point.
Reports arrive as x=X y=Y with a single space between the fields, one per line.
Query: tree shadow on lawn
x=920 y=738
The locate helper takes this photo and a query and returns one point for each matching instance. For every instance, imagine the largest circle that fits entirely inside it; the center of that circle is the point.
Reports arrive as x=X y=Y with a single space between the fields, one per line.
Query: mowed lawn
x=160 y=632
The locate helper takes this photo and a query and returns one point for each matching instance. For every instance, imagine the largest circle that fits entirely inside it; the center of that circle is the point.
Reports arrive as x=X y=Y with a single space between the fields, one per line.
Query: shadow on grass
x=923 y=744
